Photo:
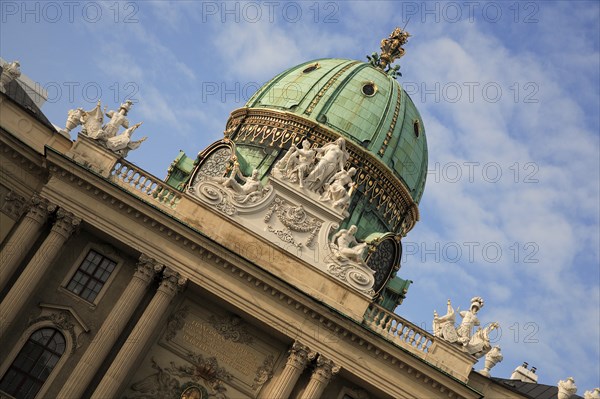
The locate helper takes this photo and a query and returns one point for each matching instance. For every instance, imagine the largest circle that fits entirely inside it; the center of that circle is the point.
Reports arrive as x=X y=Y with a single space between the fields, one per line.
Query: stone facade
x=188 y=300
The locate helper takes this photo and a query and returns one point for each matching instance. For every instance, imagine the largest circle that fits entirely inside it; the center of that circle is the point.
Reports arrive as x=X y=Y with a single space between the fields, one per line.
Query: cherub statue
x=336 y=191
x=348 y=248
x=332 y=157
x=122 y=143
x=10 y=72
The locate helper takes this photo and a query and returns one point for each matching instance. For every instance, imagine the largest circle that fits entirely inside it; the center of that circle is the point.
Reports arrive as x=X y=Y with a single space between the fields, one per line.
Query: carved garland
x=294 y=218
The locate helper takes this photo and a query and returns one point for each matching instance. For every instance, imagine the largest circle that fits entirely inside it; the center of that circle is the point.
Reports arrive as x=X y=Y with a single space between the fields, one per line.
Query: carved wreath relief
x=294 y=219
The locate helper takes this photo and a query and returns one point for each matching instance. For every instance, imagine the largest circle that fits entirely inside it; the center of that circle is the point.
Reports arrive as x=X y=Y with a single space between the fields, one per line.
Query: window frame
x=107 y=252
x=69 y=347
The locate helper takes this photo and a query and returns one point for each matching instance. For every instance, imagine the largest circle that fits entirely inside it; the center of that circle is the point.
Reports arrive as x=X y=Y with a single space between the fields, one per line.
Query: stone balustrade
x=144 y=184
x=398 y=330
x=438 y=352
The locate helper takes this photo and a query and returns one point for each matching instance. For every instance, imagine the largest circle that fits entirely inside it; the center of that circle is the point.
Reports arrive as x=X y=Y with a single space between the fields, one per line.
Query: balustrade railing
x=398 y=330
x=144 y=184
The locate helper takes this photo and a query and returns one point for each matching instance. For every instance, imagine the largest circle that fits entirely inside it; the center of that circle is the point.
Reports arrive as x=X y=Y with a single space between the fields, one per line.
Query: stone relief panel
x=211 y=349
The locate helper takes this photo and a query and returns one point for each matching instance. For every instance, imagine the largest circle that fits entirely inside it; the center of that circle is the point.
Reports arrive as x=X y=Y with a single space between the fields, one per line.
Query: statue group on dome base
x=320 y=170
x=477 y=344
x=250 y=190
x=346 y=248
x=106 y=135
x=234 y=191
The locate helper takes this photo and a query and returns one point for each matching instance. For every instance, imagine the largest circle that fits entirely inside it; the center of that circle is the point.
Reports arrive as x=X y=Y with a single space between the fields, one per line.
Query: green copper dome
x=360 y=102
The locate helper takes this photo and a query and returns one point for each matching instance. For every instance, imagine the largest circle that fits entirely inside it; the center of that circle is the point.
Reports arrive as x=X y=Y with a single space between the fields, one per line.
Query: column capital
x=325 y=369
x=14 y=205
x=300 y=355
x=40 y=208
x=66 y=223
x=172 y=282
x=147 y=268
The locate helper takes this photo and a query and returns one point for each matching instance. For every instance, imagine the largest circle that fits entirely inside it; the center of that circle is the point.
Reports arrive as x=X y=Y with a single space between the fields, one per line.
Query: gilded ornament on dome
x=391 y=50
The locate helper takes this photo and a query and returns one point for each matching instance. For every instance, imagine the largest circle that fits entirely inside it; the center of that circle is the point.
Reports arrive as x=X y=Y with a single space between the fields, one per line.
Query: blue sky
x=508 y=91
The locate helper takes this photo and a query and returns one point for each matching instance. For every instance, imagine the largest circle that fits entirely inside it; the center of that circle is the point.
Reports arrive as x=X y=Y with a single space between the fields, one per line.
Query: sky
x=510 y=97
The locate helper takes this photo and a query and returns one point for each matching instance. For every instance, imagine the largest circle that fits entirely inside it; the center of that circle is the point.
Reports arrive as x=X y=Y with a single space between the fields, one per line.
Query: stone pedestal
x=91 y=154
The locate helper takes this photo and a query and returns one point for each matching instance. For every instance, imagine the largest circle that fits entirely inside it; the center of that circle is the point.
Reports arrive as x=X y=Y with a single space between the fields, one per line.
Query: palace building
x=264 y=267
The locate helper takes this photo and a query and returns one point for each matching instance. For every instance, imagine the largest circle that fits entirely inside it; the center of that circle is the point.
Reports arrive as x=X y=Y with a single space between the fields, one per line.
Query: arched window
x=33 y=364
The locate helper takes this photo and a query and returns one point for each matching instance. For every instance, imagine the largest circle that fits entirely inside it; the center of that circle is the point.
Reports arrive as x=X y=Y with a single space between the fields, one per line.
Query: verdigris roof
x=360 y=102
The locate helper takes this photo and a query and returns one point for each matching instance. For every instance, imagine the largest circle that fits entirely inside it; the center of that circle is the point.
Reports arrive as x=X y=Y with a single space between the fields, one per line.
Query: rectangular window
x=91 y=276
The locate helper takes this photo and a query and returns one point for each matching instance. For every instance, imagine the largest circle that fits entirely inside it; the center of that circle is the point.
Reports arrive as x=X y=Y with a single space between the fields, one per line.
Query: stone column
x=324 y=371
x=35 y=270
x=282 y=386
x=23 y=237
x=137 y=341
x=111 y=329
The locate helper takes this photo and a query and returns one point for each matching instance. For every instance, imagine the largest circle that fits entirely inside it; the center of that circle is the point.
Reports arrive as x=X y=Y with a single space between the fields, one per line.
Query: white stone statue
x=567 y=388
x=595 y=394
x=336 y=192
x=469 y=320
x=443 y=326
x=331 y=159
x=122 y=143
x=117 y=119
x=73 y=119
x=347 y=248
x=10 y=72
x=106 y=135
x=477 y=344
x=298 y=162
x=250 y=185
x=92 y=121
x=493 y=357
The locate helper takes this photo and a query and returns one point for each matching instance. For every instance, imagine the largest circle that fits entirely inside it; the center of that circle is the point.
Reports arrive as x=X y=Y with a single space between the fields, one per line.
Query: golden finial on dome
x=391 y=50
